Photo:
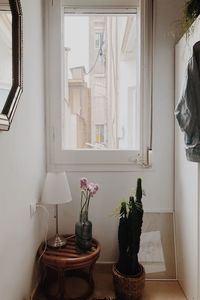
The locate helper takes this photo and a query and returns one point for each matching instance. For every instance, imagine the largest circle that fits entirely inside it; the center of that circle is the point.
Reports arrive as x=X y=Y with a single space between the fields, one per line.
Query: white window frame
x=87 y=159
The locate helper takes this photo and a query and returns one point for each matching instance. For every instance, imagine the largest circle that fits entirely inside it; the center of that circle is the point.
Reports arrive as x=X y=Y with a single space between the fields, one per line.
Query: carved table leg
x=61 y=284
x=91 y=279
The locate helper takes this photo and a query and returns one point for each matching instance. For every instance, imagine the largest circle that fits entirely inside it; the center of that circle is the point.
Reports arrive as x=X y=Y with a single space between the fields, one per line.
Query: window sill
x=100 y=167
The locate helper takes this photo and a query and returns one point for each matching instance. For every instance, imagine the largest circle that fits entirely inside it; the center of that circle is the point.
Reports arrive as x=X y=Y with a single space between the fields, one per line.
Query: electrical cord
x=100 y=53
x=47 y=229
x=45 y=245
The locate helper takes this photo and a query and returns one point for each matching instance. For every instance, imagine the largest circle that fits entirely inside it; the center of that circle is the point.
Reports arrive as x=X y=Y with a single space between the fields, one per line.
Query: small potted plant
x=128 y=273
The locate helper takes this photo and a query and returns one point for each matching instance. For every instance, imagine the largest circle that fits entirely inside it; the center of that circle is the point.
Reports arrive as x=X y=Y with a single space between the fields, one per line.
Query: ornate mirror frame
x=10 y=106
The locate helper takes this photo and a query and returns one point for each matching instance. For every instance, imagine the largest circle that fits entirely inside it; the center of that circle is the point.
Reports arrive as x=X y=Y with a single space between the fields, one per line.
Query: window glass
x=101 y=105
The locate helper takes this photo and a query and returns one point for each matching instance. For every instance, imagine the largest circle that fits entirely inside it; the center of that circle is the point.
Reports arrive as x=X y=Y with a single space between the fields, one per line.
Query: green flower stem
x=81 y=199
x=85 y=205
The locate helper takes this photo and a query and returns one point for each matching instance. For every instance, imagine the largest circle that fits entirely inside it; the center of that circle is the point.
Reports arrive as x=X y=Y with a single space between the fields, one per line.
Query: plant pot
x=128 y=287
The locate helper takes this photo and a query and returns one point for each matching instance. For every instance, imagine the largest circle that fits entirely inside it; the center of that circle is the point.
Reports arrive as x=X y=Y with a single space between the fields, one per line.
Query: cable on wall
x=45 y=243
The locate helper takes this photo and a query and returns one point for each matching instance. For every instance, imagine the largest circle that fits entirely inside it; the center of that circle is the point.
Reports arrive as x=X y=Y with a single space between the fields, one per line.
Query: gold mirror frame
x=10 y=106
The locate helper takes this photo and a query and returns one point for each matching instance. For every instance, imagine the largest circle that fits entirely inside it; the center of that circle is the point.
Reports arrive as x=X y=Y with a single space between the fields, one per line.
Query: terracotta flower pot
x=128 y=287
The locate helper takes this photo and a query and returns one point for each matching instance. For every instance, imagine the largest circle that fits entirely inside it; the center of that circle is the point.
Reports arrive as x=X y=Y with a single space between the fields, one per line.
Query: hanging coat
x=187 y=111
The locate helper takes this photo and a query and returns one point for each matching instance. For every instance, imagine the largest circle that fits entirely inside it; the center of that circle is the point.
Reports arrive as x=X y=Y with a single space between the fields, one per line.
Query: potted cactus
x=128 y=273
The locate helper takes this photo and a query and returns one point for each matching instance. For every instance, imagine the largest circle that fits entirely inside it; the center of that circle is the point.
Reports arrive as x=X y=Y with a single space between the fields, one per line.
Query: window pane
x=101 y=105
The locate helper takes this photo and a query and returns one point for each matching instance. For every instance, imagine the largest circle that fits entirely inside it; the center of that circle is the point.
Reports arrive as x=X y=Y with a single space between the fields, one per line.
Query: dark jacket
x=187 y=110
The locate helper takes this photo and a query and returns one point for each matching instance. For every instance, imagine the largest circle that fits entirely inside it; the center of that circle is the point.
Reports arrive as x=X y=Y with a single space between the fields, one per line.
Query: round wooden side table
x=69 y=261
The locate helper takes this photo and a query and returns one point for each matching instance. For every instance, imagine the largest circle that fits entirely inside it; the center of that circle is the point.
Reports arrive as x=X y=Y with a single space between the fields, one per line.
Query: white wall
x=22 y=166
x=186 y=185
x=157 y=182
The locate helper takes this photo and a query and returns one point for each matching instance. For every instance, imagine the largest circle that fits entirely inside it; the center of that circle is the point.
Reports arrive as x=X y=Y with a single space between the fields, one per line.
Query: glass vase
x=83 y=232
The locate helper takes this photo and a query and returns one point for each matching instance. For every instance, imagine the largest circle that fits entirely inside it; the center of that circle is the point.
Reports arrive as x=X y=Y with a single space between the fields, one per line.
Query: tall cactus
x=129 y=232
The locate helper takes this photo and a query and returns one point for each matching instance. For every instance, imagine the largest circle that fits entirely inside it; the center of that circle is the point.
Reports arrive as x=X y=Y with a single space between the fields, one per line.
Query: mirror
x=10 y=60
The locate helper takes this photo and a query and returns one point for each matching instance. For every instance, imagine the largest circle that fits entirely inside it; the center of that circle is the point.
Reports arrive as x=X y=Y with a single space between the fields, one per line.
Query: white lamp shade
x=56 y=189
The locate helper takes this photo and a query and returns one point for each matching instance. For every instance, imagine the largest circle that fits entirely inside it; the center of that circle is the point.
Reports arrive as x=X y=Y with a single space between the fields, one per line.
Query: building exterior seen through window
x=100 y=134
x=98 y=40
x=101 y=103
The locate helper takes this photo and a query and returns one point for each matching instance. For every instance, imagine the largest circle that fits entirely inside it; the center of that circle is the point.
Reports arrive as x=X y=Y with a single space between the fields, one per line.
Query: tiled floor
x=154 y=290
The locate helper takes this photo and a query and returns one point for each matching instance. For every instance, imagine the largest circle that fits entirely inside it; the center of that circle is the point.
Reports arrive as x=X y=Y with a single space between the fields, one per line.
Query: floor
x=154 y=290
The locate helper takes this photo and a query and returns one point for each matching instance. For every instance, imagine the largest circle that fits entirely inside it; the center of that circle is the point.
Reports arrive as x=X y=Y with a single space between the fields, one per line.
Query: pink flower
x=96 y=187
x=93 y=188
x=88 y=190
x=84 y=183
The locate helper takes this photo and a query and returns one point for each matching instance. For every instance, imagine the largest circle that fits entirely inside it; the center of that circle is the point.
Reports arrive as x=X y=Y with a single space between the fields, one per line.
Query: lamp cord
x=45 y=244
x=47 y=229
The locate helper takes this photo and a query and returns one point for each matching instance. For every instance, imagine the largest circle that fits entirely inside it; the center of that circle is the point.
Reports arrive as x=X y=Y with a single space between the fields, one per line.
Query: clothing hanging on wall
x=187 y=111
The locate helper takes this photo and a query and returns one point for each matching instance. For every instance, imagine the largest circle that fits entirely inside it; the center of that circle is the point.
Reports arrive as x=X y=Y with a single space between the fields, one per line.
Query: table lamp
x=56 y=191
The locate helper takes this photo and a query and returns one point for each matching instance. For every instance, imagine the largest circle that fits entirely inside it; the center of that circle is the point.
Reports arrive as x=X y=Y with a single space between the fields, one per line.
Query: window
x=93 y=99
x=98 y=39
x=96 y=86
x=100 y=134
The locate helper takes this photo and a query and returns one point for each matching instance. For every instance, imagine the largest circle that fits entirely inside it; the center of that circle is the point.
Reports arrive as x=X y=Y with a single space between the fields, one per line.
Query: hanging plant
x=190 y=13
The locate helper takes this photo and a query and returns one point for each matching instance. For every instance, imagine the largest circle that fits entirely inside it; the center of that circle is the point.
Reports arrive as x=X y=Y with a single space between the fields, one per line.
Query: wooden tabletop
x=69 y=256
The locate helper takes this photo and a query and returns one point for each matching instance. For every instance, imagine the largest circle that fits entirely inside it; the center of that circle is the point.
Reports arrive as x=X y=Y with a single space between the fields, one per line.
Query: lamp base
x=57 y=241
